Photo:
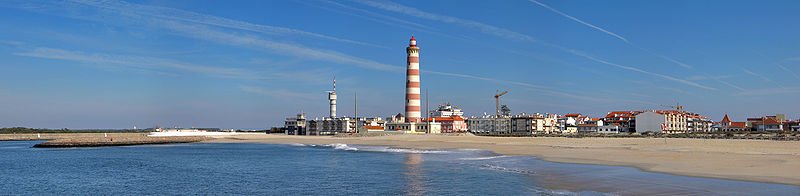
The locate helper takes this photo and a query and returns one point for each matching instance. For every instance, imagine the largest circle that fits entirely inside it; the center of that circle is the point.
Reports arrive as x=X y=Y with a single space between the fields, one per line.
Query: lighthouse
x=413 y=113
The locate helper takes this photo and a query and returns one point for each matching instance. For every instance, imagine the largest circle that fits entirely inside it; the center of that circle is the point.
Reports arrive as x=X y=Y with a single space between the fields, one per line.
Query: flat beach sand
x=750 y=160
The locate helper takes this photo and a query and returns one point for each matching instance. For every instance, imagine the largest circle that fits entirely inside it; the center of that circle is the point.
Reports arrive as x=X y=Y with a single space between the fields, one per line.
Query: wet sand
x=750 y=160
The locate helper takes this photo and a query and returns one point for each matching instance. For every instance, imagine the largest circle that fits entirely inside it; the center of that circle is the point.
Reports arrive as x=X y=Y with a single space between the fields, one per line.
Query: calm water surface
x=337 y=169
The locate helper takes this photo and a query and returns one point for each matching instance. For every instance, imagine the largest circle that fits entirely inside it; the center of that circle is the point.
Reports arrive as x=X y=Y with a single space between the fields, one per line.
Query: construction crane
x=678 y=106
x=497 y=102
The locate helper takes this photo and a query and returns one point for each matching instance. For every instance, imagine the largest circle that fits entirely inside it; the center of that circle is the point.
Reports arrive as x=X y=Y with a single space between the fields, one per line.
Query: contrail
x=580 y=21
x=508 y=34
x=485 y=28
x=638 y=70
x=610 y=33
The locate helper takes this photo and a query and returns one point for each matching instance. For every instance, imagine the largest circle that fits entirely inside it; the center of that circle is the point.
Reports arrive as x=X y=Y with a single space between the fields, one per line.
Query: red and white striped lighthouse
x=413 y=113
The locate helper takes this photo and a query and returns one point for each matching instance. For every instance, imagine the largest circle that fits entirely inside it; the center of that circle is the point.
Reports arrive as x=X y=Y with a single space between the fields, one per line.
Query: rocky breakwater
x=116 y=141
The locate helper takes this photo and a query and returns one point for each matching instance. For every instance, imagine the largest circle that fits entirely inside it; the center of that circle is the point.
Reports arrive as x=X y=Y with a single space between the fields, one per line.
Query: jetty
x=116 y=141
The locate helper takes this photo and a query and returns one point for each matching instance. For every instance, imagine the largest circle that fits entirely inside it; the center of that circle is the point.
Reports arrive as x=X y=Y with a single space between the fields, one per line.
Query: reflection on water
x=414 y=174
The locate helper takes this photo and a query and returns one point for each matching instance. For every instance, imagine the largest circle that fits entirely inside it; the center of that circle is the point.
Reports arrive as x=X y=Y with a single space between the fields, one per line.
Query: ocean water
x=335 y=169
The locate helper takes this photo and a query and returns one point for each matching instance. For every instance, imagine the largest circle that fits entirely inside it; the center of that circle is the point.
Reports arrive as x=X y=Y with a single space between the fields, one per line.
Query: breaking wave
x=340 y=146
x=483 y=158
x=510 y=170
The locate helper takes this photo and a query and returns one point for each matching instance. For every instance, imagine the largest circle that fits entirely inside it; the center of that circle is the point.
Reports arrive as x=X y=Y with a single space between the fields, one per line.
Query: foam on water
x=339 y=146
x=364 y=148
x=483 y=158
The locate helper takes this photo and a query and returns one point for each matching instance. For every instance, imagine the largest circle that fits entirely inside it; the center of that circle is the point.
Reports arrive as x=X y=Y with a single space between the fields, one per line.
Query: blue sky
x=249 y=64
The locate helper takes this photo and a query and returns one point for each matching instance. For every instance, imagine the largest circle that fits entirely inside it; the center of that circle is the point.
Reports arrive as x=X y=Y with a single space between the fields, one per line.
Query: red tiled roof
x=573 y=115
x=769 y=121
x=725 y=119
x=738 y=124
x=373 y=127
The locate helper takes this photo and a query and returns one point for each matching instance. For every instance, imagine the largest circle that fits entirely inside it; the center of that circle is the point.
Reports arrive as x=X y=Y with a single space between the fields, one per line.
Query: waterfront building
x=295 y=125
x=698 y=124
x=587 y=128
x=534 y=124
x=610 y=129
x=661 y=121
x=375 y=124
x=451 y=124
x=766 y=123
x=451 y=118
x=625 y=119
x=447 y=110
x=332 y=126
x=726 y=125
x=397 y=125
x=489 y=124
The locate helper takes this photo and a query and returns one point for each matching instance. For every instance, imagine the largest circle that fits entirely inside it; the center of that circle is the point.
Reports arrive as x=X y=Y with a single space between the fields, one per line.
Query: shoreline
x=744 y=160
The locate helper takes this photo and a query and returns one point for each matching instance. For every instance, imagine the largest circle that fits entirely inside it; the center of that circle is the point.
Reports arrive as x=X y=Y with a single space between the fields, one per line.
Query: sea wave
x=510 y=170
x=339 y=146
x=365 y=148
x=483 y=158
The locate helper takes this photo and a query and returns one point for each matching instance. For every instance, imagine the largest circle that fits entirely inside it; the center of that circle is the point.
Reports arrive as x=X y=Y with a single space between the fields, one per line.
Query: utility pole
x=355 y=109
x=427 y=113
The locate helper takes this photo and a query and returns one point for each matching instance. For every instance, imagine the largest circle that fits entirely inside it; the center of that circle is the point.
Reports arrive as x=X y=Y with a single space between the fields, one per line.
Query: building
x=397 y=124
x=451 y=124
x=332 y=126
x=587 y=128
x=611 y=129
x=766 y=123
x=726 y=125
x=295 y=125
x=489 y=125
x=662 y=121
x=450 y=117
x=447 y=110
x=626 y=120
x=698 y=124
x=534 y=124
x=375 y=124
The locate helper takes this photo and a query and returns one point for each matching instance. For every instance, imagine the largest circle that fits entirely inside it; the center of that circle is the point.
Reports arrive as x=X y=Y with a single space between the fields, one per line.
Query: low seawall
x=115 y=141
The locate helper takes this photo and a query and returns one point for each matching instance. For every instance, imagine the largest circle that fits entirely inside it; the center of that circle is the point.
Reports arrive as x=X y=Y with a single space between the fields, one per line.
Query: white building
x=662 y=121
x=295 y=125
x=489 y=124
x=397 y=124
x=447 y=110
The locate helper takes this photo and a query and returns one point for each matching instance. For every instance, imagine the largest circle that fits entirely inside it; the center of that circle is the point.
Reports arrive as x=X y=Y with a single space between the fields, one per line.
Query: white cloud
x=172 y=14
x=136 y=62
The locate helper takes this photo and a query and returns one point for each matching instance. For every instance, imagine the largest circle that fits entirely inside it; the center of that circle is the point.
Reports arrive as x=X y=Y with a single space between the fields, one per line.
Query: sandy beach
x=750 y=160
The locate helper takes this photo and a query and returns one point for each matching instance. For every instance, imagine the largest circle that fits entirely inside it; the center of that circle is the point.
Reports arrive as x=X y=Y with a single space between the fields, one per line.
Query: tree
x=505 y=110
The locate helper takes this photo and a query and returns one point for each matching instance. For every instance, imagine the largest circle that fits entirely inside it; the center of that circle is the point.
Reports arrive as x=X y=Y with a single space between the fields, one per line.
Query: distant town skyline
x=250 y=64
